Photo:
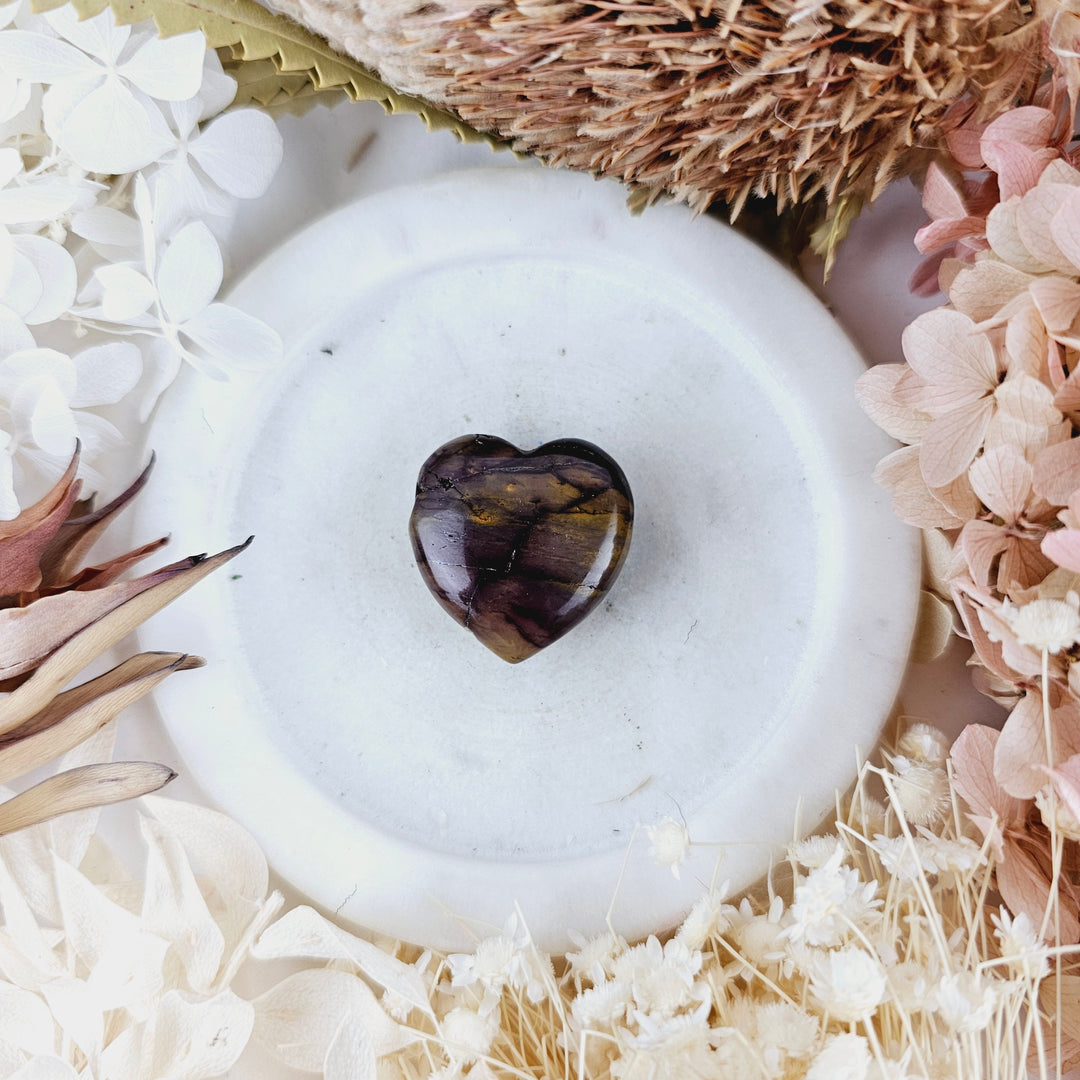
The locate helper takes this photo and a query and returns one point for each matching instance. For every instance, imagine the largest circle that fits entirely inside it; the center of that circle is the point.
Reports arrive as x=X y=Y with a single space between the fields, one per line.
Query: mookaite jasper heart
x=518 y=547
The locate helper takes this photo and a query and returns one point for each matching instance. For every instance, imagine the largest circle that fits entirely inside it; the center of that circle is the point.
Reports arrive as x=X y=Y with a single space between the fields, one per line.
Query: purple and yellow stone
x=520 y=547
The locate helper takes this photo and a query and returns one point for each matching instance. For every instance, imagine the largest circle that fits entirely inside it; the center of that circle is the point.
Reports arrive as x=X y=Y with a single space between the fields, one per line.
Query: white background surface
x=332 y=157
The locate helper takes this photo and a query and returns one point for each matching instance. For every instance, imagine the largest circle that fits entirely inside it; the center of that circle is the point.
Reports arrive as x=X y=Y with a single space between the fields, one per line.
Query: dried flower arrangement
x=986 y=406
x=57 y=617
x=879 y=951
x=874 y=954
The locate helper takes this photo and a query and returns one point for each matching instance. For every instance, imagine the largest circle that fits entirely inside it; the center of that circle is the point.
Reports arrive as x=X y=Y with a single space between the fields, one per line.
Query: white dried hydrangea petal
x=45 y=1068
x=193 y=1039
x=220 y=849
x=299 y=1018
x=174 y=907
x=304 y=933
x=27 y=1023
x=78 y=1013
x=351 y=1055
x=125 y=961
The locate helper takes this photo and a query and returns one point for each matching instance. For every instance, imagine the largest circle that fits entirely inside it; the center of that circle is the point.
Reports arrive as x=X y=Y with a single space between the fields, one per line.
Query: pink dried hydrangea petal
x=912 y=500
x=950 y=443
x=1002 y=480
x=1034 y=214
x=1056 y=473
x=1063 y=547
x=1022 y=566
x=982 y=290
x=980 y=543
x=941 y=197
x=876 y=393
x=972 y=756
x=945 y=350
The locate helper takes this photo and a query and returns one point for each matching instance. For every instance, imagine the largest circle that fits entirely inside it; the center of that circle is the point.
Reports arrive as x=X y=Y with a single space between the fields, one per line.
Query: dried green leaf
x=80 y=789
x=252 y=33
x=841 y=215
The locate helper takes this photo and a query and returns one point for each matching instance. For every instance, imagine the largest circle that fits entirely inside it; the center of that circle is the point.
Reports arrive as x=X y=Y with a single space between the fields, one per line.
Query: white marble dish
x=392 y=768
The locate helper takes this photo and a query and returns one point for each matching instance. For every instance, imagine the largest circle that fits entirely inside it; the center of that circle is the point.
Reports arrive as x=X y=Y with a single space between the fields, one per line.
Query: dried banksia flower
x=55 y=618
x=699 y=99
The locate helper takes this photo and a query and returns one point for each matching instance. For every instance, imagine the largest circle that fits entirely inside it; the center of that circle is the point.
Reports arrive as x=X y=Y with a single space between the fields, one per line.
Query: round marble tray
x=392 y=768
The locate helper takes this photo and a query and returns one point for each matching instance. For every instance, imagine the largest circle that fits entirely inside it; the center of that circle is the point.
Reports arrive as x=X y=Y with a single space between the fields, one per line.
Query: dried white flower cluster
x=114 y=155
x=878 y=959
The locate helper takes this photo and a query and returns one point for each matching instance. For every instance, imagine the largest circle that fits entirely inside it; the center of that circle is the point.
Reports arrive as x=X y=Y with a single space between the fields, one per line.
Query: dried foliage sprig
x=704 y=101
x=877 y=951
x=56 y=617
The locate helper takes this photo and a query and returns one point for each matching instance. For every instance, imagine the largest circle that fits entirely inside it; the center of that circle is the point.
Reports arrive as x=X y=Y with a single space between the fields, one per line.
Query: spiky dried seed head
x=700 y=99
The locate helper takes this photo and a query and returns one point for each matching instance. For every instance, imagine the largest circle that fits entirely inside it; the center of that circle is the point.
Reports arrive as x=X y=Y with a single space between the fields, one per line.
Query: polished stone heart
x=518 y=547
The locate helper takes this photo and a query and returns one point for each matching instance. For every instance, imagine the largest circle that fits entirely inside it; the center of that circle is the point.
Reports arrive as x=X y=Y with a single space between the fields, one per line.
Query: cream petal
x=945 y=350
x=1002 y=480
x=951 y=442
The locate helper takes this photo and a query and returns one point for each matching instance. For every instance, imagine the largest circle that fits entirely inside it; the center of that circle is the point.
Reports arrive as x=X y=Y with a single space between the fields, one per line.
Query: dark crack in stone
x=519 y=547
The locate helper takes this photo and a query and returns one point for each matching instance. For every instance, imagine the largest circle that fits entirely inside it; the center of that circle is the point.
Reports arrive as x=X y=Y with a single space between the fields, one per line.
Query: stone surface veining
x=520 y=547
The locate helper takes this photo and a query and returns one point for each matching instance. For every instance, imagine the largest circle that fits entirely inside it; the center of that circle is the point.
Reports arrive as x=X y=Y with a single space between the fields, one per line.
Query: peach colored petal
x=1058 y=302
x=988 y=651
x=941 y=198
x=1067 y=398
x=959 y=498
x=964 y=144
x=1060 y=172
x=982 y=290
x=1033 y=217
x=1063 y=546
x=981 y=542
x=1025 y=343
x=1065 y=227
x=943 y=348
x=875 y=391
x=1024 y=886
x=925 y=280
x=951 y=442
x=1056 y=473
x=972 y=757
x=1003 y=234
x=1018 y=167
x=1020 y=757
x=1002 y=480
x=1028 y=126
x=1022 y=566
x=1026 y=417
x=944 y=231
x=1019 y=661
x=912 y=500
x=1055 y=364
x=1067 y=783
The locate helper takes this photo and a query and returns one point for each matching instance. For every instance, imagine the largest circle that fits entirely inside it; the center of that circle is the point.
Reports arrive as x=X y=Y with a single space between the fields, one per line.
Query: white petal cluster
x=116 y=158
x=102 y=976
x=874 y=964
